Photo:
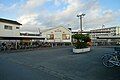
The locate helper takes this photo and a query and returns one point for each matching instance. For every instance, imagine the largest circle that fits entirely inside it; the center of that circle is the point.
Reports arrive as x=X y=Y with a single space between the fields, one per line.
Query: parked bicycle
x=112 y=59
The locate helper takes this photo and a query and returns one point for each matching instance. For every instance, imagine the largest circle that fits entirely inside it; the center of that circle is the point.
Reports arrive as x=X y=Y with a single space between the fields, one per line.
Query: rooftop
x=9 y=21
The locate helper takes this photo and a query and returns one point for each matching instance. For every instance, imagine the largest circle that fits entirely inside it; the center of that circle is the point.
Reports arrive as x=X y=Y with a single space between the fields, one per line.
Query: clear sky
x=43 y=14
x=110 y=4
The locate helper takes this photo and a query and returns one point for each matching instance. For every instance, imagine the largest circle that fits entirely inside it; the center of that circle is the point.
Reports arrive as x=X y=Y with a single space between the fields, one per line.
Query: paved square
x=65 y=65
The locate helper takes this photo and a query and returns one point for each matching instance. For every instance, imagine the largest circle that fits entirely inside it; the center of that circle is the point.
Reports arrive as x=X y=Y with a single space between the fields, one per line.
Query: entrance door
x=58 y=37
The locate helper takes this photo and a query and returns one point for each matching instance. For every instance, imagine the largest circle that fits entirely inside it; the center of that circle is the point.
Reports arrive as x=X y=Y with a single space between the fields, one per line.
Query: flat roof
x=9 y=21
x=22 y=38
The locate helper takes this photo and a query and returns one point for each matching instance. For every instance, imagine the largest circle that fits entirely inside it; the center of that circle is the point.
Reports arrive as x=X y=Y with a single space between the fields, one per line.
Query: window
x=17 y=27
x=8 y=27
x=65 y=36
x=50 y=36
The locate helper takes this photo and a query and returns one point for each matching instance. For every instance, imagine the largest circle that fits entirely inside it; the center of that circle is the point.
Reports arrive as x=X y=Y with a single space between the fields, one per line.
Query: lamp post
x=80 y=17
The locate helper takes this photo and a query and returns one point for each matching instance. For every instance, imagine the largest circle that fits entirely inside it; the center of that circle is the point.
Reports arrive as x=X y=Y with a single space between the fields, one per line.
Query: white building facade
x=58 y=34
x=112 y=31
x=9 y=28
x=108 y=32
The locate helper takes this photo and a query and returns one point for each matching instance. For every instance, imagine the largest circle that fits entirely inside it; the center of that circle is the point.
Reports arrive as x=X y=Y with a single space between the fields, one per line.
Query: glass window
x=50 y=36
x=65 y=36
x=8 y=27
x=17 y=27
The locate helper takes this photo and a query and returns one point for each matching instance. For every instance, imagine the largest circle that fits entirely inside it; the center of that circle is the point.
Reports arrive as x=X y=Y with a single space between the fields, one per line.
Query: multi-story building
x=112 y=31
x=9 y=28
x=107 y=33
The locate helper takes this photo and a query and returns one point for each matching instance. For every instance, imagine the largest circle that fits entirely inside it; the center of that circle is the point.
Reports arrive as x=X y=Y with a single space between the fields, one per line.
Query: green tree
x=81 y=40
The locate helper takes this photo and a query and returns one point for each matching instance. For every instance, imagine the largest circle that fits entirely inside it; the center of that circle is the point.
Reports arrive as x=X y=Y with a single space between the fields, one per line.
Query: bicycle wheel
x=105 y=60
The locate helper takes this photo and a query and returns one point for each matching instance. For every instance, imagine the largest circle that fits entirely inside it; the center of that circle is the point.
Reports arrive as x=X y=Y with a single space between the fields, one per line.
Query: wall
x=57 y=34
x=9 y=33
x=118 y=30
x=114 y=31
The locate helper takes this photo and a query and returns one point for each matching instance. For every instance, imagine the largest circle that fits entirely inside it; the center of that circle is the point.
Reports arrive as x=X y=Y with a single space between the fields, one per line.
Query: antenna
x=103 y=26
x=39 y=31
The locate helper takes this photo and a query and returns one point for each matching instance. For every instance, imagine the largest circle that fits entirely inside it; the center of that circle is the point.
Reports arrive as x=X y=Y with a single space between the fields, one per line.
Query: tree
x=81 y=40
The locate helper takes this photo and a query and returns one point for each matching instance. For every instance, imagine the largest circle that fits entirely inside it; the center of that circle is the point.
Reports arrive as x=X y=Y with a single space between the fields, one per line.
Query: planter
x=81 y=50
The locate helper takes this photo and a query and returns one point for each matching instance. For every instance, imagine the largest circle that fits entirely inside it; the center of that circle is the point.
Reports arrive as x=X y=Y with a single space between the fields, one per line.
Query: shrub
x=81 y=41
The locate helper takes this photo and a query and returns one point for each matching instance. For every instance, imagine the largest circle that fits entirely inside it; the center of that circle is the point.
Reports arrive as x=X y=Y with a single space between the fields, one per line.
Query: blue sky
x=43 y=14
x=110 y=4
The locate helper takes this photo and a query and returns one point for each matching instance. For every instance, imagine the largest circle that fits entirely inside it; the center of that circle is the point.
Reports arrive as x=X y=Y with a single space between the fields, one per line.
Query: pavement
x=57 y=64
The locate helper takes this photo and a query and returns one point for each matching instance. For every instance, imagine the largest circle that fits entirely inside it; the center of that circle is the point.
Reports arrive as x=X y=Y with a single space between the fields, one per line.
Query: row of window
x=64 y=36
x=9 y=27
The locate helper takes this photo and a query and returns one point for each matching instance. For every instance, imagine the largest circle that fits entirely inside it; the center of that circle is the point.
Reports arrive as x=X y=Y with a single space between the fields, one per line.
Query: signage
x=57 y=30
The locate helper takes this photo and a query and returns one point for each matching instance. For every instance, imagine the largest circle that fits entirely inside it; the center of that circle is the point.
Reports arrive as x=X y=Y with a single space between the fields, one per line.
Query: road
x=56 y=64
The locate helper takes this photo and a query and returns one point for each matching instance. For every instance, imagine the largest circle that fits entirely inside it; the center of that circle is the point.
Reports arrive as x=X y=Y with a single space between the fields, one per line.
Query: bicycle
x=112 y=59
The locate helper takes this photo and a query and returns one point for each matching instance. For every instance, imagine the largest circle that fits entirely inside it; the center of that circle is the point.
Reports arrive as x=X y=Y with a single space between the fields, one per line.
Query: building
x=57 y=34
x=9 y=28
x=107 y=34
x=112 y=31
x=28 y=33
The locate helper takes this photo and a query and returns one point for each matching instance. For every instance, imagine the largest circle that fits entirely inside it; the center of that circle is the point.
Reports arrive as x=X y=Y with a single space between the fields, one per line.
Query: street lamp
x=80 y=17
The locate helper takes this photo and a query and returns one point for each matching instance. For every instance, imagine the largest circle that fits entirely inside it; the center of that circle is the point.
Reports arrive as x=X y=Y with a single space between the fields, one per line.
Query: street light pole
x=80 y=17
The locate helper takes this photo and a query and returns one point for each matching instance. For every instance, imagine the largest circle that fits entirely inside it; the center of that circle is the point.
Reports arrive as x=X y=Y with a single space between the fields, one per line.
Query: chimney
x=70 y=29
